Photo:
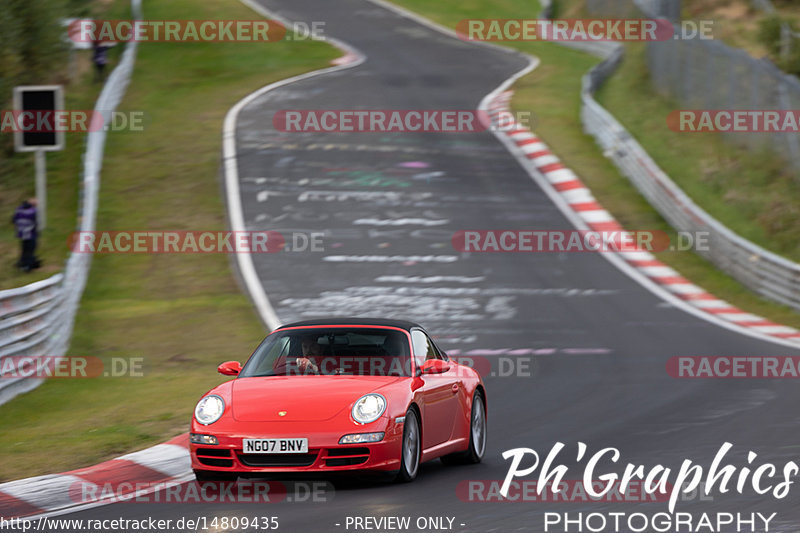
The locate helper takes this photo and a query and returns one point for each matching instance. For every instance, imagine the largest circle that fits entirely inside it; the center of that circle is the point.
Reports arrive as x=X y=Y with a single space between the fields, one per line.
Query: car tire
x=411 y=449
x=477 y=435
x=477 y=430
x=203 y=476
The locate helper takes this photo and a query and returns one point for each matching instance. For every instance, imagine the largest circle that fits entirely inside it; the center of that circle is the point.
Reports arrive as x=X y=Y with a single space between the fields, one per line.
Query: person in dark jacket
x=99 y=58
x=25 y=221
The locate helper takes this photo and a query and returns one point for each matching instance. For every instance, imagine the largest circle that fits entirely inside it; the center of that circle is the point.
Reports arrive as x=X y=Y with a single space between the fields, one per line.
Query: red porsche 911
x=338 y=395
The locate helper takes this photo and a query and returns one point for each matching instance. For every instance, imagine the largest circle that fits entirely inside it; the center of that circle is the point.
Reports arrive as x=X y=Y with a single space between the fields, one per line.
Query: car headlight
x=209 y=409
x=369 y=408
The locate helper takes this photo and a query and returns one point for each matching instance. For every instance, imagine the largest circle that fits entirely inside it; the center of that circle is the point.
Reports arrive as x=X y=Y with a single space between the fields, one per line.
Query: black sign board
x=40 y=101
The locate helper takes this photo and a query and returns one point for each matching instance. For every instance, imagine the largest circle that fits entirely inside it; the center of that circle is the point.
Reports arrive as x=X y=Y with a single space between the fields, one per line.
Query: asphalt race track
x=388 y=206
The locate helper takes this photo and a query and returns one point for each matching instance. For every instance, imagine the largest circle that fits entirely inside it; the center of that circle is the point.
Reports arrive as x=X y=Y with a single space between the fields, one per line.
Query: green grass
x=552 y=93
x=183 y=313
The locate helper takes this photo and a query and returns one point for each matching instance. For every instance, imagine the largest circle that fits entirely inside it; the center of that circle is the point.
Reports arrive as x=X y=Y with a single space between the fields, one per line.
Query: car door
x=439 y=392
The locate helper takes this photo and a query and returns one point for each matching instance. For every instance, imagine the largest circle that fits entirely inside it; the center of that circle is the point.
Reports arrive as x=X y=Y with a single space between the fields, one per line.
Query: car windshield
x=348 y=351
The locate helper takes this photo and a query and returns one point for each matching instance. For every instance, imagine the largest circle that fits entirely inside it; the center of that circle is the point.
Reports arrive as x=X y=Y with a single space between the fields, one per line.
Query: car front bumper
x=325 y=454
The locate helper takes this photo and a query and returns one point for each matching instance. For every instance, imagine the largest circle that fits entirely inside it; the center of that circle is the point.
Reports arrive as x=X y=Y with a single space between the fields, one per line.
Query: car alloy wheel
x=477 y=437
x=410 y=453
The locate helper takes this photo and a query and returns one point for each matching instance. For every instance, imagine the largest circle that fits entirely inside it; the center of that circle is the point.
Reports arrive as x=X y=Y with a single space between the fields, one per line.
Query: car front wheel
x=477 y=430
x=410 y=452
x=477 y=435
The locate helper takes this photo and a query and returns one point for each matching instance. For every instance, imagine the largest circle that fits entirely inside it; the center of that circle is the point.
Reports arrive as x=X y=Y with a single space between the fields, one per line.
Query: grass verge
x=552 y=93
x=182 y=313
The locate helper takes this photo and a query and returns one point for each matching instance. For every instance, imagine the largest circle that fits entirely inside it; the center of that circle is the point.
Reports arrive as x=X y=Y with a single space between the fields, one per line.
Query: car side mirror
x=230 y=368
x=435 y=366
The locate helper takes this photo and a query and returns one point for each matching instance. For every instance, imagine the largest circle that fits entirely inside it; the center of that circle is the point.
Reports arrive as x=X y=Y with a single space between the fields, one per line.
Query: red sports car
x=338 y=395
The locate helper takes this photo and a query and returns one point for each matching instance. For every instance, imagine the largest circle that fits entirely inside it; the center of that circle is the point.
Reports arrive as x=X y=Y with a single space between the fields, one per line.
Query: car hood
x=301 y=398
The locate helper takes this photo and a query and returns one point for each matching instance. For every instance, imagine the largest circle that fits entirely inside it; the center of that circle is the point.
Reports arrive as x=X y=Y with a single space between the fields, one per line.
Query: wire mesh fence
x=710 y=75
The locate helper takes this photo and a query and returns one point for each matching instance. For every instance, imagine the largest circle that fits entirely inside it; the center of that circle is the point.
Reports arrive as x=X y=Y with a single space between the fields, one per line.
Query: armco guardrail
x=37 y=320
x=764 y=272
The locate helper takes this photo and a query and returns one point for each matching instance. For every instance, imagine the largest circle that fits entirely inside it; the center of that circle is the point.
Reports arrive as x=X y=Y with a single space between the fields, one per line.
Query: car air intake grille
x=211 y=457
x=277 y=459
x=210 y=461
x=347 y=456
x=345 y=461
x=214 y=452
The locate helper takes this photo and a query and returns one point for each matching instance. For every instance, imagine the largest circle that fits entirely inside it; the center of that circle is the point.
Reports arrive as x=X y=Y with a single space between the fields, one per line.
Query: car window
x=332 y=351
x=271 y=352
x=424 y=348
x=439 y=352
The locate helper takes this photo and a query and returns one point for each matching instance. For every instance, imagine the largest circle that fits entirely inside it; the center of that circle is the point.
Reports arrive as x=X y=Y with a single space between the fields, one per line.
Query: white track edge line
x=245 y=261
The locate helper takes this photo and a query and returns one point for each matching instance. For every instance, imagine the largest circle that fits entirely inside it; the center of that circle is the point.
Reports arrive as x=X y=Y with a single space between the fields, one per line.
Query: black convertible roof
x=352 y=321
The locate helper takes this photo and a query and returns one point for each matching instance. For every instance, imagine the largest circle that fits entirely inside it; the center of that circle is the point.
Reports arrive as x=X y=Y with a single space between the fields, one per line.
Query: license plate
x=275 y=445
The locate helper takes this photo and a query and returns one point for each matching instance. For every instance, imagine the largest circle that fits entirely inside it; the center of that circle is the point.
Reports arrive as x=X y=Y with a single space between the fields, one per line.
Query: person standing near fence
x=24 y=220
x=99 y=58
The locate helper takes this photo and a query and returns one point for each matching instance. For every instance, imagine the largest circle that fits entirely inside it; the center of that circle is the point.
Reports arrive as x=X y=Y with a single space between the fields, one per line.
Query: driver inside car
x=311 y=350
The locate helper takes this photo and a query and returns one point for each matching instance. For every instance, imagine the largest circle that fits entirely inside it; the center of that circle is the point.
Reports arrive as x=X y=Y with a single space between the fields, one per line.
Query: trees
x=32 y=46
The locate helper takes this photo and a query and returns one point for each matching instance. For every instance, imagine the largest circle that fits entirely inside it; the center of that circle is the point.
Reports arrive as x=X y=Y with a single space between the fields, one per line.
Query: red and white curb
x=583 y=204
x=348 y=58
x=164 y=463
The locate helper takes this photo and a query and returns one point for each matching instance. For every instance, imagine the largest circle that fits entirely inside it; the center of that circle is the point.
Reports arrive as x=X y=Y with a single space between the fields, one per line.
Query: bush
x=769 y=34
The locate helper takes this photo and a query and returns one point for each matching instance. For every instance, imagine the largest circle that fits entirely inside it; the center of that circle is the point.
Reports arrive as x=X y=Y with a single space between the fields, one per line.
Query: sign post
x=41 y=189
x=37 y=106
